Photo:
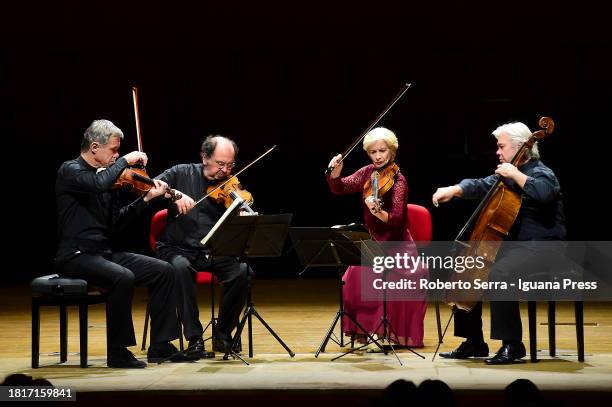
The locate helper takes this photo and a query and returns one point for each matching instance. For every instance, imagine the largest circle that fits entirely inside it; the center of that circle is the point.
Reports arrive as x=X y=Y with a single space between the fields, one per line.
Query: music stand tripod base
x=246 y=237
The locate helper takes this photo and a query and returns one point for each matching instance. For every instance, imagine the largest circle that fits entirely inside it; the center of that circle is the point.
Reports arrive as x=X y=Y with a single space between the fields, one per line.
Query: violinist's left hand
x=375 y=209
x=372 y=204
x=158 y=190
x=184 y=203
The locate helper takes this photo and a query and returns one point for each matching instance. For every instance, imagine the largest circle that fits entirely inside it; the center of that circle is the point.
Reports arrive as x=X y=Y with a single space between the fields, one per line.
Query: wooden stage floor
x=300 y=311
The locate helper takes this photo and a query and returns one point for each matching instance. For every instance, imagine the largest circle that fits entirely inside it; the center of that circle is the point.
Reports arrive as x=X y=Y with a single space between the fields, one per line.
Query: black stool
x=51 y=290
x=579 y=315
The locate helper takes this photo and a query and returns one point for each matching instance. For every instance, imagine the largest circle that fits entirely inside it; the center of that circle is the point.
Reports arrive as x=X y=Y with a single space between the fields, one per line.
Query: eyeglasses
x=223 y=164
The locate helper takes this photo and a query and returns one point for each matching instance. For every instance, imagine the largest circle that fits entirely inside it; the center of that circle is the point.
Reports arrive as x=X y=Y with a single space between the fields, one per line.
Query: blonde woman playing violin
x=385 y=218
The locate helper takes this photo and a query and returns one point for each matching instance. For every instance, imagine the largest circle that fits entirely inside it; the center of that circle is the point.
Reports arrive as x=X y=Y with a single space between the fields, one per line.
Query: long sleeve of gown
x=347 y=185
x=399 y=199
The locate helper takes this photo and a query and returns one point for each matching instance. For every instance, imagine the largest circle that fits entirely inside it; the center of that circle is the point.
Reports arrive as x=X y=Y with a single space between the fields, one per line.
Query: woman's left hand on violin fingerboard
x=375 y=209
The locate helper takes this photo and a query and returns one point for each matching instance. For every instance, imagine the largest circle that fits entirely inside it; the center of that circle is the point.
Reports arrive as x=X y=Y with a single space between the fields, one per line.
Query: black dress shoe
x=468 y=350
x=165 y=351
x=197 y=349
x=507 y=354
x=223 y=345
x=122 y=358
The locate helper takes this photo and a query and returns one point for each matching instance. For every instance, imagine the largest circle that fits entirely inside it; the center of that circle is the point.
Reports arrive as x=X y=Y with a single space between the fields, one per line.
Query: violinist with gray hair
x=89 y=218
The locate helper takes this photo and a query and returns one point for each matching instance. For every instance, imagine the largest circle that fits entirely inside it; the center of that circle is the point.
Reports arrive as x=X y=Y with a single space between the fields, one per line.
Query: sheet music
x=226 y=214
x=357 y=227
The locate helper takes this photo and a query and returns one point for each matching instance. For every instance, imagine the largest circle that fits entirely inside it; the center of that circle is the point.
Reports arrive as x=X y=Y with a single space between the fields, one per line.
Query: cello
x=489 y=226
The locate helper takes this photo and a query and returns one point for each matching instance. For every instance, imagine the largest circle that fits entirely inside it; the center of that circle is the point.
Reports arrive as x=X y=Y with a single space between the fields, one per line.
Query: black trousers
x=506 y=323
x=118 y=272
x=235 y=278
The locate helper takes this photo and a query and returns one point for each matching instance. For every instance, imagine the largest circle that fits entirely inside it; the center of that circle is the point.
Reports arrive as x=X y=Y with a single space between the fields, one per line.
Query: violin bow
x=397 y=97
x=137 y=117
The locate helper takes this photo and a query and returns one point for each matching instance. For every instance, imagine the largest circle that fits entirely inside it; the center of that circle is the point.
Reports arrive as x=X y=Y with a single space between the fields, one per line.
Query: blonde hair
x=381 y=133
x=518 y=134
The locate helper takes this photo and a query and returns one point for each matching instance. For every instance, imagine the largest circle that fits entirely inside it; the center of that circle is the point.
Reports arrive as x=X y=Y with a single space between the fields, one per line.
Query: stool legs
x=145 y=330
x=533 y=341
x=83 y=316
x=35 y=333
x=579 y=313
x=63 y=334
x=552 y=341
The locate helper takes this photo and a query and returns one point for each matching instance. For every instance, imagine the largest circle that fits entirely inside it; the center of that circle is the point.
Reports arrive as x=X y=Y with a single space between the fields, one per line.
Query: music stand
x=385 y=324
x=324 y=246
x=247 y=237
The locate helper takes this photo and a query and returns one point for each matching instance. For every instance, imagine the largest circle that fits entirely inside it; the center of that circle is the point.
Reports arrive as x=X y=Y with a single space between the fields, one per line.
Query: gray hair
x=100 y=131
x=518 y=133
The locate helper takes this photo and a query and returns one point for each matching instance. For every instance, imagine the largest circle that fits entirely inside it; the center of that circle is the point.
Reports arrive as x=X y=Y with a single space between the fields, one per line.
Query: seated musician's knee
x=181 y=267
x=123 y=277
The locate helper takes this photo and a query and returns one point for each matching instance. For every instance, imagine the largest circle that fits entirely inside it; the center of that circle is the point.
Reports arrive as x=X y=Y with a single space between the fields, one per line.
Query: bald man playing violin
x=89 y=216
x=179 y=244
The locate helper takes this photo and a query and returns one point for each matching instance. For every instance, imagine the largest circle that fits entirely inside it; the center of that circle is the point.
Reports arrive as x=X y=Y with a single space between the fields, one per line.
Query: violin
x=227 y=192
x=136 y=179
x=380 y=182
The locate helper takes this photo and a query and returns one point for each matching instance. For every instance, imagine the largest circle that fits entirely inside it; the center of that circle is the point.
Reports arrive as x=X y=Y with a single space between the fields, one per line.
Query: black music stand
x=324 y=246
x=385 y=324
x=246 y=237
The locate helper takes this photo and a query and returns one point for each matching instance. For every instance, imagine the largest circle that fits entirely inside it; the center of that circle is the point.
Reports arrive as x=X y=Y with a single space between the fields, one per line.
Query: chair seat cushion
x=55 y=285
x=205 y=277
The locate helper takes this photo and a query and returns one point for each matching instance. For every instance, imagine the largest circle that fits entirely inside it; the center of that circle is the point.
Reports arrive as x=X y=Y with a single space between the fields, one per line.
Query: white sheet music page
x=226 y=214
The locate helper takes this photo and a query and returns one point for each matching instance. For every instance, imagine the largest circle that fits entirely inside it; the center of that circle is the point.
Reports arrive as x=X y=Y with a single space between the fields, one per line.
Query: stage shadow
x=62 y=371
x=543 y=365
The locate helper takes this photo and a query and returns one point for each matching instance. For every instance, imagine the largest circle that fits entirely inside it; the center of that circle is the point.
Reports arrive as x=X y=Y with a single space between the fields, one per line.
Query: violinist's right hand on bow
x=337 y=164
x=136 y=157
x=184 y=204
x=445 y=194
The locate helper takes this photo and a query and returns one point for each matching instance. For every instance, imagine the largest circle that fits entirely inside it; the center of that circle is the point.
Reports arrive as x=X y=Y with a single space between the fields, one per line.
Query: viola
x=380 y=182
x=226 y=195
x=227 y=192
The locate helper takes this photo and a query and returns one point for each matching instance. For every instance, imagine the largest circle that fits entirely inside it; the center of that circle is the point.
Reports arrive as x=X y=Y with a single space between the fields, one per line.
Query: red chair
x=420 y=226
x=158 y=223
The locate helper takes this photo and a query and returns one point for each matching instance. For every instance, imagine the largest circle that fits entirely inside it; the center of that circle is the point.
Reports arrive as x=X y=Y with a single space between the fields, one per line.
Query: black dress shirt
x=87 y=211
x=186 y=231
x=541 y=216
